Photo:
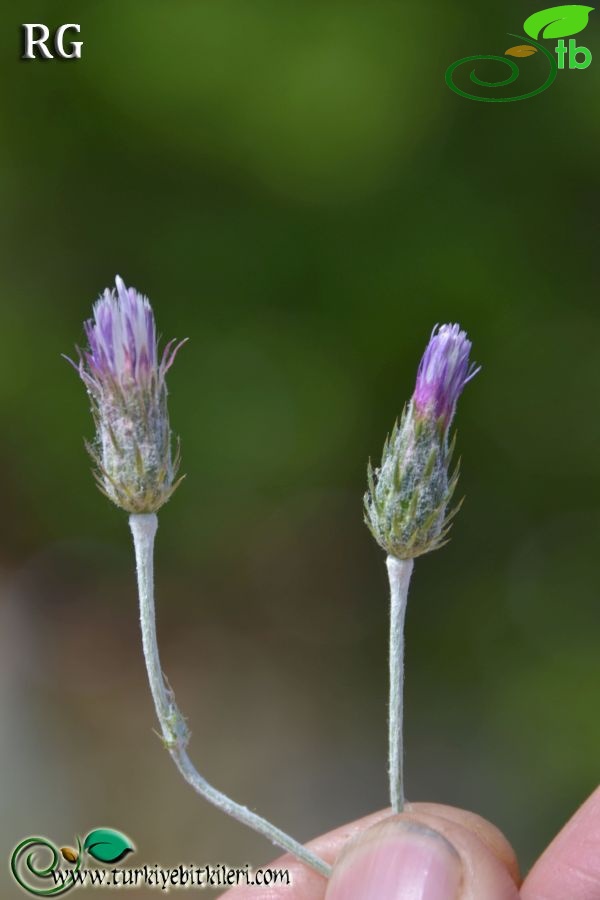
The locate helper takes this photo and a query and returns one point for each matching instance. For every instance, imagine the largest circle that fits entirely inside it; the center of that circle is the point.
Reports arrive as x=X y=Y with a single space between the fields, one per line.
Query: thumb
x=429 y=858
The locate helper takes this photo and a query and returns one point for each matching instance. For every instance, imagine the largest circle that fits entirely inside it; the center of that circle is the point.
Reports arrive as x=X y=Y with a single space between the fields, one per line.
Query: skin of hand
x=435 y=852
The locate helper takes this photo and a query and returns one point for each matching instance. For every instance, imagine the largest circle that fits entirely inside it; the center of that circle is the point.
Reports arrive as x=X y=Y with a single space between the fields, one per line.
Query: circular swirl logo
x=514 y=74
x=36 y=862
x=25 y=866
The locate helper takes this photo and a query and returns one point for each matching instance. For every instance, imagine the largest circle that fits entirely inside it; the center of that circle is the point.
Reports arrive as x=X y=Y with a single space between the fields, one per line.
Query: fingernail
x=397 y=861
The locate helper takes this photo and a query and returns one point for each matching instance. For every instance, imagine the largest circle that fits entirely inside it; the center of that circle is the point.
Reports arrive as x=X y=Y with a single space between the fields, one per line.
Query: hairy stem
x=399 y=572
x=174 y=731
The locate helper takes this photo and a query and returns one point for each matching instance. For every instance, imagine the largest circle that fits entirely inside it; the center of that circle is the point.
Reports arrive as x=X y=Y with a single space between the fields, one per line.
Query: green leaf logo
x=107 y=845
x=558 y=21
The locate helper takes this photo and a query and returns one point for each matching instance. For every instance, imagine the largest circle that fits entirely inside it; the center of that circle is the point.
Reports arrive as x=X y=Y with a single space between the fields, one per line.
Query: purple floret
x=443 y=372
x=123 y=346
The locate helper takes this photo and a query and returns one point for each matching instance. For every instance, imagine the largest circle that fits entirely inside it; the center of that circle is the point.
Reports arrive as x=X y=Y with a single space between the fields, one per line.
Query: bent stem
x=174 y=730
x=399 y=572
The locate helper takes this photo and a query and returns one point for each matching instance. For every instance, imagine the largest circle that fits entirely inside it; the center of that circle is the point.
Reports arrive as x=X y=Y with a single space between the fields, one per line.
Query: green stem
x=399 y=572
x=172 y=723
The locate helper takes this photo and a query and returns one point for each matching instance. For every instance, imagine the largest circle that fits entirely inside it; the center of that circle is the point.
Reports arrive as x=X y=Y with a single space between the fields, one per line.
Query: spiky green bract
x=408 y=496
x=132 y=451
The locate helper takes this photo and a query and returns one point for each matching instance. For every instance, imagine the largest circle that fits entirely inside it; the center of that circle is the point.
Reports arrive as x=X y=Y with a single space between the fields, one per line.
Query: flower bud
x=408 y=496
x=125 y=380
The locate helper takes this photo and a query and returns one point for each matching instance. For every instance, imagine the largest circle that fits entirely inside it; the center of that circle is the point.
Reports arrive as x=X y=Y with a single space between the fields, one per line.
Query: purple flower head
x=443 y=372
x=123 y=347
x=406 y=504
x=125 y=380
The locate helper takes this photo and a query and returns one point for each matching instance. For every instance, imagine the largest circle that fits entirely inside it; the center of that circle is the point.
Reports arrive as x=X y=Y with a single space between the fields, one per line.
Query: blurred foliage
x=298 y=192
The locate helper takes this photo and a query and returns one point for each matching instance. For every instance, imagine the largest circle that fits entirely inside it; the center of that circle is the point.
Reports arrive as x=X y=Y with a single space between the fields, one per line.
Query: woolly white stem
x=174 y=731
x=399 y=572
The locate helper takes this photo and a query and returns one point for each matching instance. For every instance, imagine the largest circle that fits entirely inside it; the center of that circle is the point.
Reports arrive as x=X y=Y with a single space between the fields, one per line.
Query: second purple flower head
x=443 y=372
x=408 y=496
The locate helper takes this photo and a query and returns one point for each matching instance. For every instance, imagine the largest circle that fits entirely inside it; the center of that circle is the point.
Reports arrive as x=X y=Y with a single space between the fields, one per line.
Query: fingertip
x=421 y=854
x=488 y=833
x=487 y=863
x=570 y=866
x=397 y=858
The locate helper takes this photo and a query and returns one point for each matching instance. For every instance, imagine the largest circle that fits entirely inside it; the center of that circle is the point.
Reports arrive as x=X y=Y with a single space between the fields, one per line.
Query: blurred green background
x=299 y=193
